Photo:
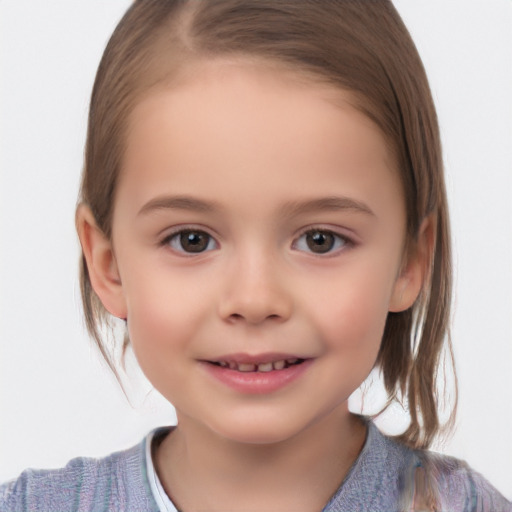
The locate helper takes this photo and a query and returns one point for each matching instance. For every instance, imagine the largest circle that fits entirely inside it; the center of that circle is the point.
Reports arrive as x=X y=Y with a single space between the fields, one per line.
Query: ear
x=415 y=268
x=101 y=263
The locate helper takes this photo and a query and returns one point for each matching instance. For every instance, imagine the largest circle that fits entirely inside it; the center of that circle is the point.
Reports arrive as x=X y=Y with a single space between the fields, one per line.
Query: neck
x=203 y=471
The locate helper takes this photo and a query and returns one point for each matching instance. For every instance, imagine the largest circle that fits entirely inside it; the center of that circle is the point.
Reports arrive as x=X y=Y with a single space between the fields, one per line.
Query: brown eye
x=320 y=242
x=194 y=241
x=191 y=241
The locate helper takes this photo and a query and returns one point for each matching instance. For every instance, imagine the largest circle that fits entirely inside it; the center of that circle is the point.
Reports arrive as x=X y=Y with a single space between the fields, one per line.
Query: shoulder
x=389 y=476
x=116 y=482
x=445 y=482
x=458 y=486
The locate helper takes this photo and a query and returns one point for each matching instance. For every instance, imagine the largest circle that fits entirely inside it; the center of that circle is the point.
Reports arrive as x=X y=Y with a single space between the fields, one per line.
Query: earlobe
x=101 y=263
x=415 y=270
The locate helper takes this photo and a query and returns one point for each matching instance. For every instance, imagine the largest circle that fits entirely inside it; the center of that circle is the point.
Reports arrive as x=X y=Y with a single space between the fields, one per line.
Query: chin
x=251 y=436
x=258 y=429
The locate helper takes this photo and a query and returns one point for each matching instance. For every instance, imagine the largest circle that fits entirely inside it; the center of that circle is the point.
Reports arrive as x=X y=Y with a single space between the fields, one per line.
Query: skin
x=255 y=142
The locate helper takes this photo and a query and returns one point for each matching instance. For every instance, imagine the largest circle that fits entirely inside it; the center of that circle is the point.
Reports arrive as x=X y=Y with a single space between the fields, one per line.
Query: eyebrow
x=290 y=209
x=178 y=203
x=332 y=203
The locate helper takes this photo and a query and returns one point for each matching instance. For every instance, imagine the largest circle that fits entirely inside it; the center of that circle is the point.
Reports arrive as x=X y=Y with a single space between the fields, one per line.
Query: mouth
x=257 y=374
x=258 y=367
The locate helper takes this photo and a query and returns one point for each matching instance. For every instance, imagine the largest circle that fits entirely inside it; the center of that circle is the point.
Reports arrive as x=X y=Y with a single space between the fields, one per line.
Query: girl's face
x=258 y=225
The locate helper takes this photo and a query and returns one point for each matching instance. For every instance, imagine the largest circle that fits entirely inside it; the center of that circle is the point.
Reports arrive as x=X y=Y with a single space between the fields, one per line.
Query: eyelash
x=176 y=235
x=339 y=242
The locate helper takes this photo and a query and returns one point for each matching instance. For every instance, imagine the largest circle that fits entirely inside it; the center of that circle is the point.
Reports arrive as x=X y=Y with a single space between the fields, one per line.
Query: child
x=263 y=204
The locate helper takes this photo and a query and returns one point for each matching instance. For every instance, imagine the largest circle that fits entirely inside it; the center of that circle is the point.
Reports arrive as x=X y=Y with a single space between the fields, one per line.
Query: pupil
x=194 y=241
x=320 y=242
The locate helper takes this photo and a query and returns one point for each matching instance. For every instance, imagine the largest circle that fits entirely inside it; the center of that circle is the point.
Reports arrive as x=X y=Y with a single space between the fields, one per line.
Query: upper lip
x=267 y=357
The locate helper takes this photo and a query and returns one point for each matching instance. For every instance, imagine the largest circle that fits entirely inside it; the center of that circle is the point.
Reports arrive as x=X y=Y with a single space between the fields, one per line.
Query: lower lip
x=257 y=382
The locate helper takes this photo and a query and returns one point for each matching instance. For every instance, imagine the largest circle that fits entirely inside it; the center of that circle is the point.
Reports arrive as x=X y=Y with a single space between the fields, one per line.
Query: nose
x=255 y=291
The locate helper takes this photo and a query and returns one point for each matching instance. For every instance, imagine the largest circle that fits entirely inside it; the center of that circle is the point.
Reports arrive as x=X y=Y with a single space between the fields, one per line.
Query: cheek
x=163 y=315
x=161 y=334
x=352 y=312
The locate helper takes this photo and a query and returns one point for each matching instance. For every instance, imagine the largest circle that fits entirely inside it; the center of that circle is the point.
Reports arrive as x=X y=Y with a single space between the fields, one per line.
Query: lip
x=266 y=357
x=256 y=382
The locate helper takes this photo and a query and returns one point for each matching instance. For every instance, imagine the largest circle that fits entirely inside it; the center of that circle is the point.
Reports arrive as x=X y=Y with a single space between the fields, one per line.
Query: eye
x=191 y=241
x=320 y=241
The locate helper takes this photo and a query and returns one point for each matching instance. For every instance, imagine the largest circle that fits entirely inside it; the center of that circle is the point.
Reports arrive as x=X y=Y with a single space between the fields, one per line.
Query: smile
x=259 y=374
x=268 y=366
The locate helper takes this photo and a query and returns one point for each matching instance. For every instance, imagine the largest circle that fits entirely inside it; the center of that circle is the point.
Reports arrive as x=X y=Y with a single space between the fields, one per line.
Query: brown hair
x=359 y=45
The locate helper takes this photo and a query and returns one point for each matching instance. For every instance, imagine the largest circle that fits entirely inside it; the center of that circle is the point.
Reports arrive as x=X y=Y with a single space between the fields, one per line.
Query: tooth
x=292 y=360
x=223 y=364
x=279 y=365
x=265 y=367
x=246 y=367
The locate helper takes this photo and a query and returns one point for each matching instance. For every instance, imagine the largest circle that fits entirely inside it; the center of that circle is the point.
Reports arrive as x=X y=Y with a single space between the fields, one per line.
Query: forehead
x=222 y=88
x=244 y=123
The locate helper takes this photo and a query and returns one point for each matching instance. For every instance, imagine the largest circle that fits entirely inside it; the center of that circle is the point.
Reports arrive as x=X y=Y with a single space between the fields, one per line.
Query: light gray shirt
x=382 y=479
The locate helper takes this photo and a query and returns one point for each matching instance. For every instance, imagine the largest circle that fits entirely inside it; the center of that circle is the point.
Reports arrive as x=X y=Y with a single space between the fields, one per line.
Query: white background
x=57 y=400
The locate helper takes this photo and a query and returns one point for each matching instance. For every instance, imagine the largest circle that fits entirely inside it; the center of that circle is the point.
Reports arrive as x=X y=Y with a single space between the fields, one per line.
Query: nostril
x=235 y=317
x=252 y=319
x=238 y=317
x=254 y=308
